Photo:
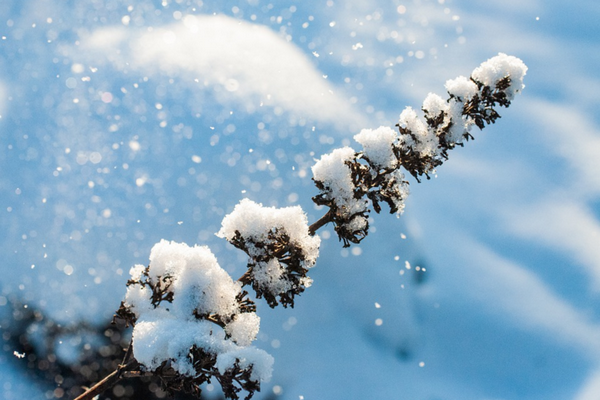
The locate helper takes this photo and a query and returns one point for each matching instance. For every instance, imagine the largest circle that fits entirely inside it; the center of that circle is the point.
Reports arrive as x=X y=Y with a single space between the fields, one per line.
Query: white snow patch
x=378 y=146
x=244 y=328
x=501 y=66
x=249 y=61
x=426 y=143
x=256 y=222
x=573 y=135
x=565 y=226
x=462 y=87
x=331 y=169
x=501 y=285
x=199 y=286
x=590 y=388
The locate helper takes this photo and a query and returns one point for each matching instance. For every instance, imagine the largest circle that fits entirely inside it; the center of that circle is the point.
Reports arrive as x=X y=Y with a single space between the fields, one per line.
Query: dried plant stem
x=110 y=380
x=128 y=365
x=324 y=220
x=128 y=368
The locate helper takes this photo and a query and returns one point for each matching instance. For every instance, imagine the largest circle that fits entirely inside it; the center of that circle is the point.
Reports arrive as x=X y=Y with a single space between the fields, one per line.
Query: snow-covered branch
x=279 y=247
x=350 y=182
x=192 y=322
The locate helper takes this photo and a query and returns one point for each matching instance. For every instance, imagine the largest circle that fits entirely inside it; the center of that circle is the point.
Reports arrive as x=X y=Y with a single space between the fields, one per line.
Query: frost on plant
x=192 y=322
x=348 y=186
x=424 y=143
x=279 y=247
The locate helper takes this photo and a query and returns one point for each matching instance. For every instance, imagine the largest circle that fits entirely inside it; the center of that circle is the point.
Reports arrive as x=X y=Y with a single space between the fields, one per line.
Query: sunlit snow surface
x=123 y=123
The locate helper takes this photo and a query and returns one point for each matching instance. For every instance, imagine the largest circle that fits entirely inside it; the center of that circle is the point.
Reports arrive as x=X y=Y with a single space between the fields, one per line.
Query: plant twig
x=128 y=353
x=109 y=381
x=324 y=220
x=245 y=279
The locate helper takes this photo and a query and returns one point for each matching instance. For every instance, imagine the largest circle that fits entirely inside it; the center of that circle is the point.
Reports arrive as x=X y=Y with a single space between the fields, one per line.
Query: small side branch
x=324 y=220
x=246 y=278
x=109 y=381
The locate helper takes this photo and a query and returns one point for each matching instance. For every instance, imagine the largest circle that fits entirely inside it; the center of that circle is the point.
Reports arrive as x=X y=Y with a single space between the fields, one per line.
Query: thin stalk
x=109 y=381
x=324 y=220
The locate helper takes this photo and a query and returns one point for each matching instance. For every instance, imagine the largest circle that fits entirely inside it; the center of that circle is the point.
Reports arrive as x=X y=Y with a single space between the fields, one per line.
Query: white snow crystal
x=498 y=67
x=460 y=124
x=356 y=224
x=136 y=271
x=271 y=275
x=261 y=362
x=260 y=229
x=137 y=298
x=399 y=184
x=204 y=286
x=378 y=146
x=162 y=337
x=197 y=281
x=255 y=222
x=332 y=171
x=434 y=105
x=244 y=328
x=462 y=87
x=425 y=142
x=168 y=330
x=18 y=355
x=167 y=258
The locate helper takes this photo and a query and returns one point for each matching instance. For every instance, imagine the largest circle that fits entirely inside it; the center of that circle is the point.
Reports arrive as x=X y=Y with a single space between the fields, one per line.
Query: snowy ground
x=123 y=123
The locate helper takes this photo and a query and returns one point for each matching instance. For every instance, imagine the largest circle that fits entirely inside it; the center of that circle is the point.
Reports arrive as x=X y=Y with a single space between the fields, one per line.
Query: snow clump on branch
x=190 y=317
x=348 y=186
x=193 y=323
x=279 y=247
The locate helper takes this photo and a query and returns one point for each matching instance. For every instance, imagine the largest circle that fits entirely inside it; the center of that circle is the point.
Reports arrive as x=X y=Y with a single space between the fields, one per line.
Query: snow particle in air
x=106 y=97
x=71 y=83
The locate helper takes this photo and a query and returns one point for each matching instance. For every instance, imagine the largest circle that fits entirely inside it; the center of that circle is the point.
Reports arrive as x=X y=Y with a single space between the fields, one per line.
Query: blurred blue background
x=124 y=122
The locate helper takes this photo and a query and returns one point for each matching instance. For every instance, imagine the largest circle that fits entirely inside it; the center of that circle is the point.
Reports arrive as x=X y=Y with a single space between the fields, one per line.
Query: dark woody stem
x=246 y=278
x=324 y=220
x=131 y=365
